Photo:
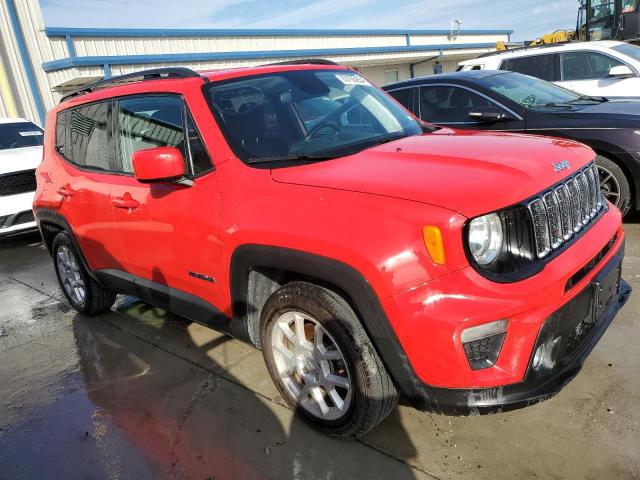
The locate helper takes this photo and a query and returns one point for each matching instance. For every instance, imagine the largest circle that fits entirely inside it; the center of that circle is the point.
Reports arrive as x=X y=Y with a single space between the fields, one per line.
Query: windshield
x=530 y=92
x=18 y=135
x=306 y=114
x=629 y=50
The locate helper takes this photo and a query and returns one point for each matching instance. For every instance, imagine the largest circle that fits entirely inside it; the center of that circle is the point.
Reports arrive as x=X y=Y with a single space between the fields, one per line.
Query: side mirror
x=621 y=71
x=488 y=115
x=160 y=164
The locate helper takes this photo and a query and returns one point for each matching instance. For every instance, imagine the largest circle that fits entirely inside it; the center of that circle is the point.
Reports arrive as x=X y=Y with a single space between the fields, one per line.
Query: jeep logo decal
x=563 y=165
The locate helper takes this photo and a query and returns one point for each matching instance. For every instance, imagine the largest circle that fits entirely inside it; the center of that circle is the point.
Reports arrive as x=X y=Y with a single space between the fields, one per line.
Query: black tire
x=97 y=299
x=373 y=394
x=614 y=178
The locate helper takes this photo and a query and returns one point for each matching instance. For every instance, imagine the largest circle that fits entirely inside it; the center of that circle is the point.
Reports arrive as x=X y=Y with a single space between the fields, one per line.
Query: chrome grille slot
x=576 y=211
x=565 y=210
x=564 y=202
x=553 y=216
x=584 y=198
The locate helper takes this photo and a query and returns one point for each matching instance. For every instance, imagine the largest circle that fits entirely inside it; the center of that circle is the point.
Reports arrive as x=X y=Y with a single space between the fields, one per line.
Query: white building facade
x=38 y=63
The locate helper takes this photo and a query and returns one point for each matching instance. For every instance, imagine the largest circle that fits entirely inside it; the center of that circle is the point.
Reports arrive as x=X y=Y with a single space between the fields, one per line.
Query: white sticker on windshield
x=33 y=133
x=350 y=79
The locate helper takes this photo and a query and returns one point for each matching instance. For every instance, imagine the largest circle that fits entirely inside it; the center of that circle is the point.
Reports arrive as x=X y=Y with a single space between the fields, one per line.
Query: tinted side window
x=403 y=96
x=447 y=104
x=540 y=66
x=147 y=122
x=586 y=65
x=82 y=136
x=200 y=160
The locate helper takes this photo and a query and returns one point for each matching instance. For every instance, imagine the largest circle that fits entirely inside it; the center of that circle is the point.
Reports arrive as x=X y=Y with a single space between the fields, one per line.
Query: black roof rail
x=309 y=61
x=156 y=73
x=527 y=47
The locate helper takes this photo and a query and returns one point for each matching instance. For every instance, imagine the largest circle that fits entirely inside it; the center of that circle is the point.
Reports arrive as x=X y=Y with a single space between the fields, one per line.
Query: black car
x=508 y=101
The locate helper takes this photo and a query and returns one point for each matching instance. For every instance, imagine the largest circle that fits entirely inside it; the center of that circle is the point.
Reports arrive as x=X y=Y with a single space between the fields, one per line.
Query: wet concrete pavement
x=138 y=393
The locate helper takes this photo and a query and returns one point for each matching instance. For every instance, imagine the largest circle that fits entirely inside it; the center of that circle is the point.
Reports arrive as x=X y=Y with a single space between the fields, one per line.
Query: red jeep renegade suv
x=301 y=209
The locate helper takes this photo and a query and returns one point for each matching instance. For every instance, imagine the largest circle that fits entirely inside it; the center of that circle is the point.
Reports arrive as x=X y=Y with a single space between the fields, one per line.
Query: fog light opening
x=482 y=343
x=546 y=355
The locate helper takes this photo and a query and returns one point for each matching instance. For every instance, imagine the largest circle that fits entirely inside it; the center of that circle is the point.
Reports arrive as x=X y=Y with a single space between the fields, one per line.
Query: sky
x=528 y=18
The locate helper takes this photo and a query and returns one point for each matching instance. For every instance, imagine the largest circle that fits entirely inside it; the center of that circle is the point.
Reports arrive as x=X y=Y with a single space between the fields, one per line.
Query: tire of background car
x=81 y=291
x=333 y=377
x=614 y=183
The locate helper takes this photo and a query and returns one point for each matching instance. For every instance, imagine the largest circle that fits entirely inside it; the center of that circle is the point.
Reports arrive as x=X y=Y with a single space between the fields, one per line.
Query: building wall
x=38 y=63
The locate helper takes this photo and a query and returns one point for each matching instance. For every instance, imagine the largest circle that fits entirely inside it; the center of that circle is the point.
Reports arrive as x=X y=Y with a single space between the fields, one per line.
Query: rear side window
x=449 y=104
x=82 y=136
x=19 y=135
x=540 y=66
x=150 y=121
x=586 y=65
x=404 y=97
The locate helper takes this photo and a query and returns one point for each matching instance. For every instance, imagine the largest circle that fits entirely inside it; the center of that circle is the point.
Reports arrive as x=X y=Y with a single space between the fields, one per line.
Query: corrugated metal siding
x=91 y=46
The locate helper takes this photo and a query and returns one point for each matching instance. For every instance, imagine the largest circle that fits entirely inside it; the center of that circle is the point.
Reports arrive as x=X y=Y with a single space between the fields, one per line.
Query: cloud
x=529 y=18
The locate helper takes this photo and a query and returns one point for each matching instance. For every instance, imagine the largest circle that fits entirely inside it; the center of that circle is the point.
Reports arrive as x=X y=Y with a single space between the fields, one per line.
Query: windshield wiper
x=289 y=158
x=588 y=98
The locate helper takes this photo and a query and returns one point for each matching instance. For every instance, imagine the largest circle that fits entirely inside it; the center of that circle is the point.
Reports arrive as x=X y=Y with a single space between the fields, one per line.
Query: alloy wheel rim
x=609 y=186
x=311 y=366
x=70 y=275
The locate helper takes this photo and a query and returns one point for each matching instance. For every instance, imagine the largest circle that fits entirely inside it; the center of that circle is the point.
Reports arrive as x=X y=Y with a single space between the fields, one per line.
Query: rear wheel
x=322 y=361
x=614 y=184
x=83 y=293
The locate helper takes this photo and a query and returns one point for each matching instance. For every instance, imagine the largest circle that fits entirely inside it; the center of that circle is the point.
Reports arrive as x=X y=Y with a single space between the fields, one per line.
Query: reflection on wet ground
x=139 y=393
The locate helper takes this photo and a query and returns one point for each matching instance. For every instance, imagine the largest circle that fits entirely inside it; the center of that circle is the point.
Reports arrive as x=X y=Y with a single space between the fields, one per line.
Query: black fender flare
x=348 y=281
x=46 y=216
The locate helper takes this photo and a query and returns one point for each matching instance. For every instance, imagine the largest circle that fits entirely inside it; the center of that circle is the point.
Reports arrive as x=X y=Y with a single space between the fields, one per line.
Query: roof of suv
x=547 y=48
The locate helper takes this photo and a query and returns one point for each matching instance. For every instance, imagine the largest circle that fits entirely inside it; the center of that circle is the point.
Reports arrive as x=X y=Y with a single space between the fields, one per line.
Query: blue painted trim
x=198 y=32
x=71 y=48
x=106 y=69
x=244 y=55
x=408 y=38
x=26 y=61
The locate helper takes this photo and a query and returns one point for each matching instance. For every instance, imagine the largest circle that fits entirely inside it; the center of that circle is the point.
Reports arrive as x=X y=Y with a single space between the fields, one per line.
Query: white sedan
x=20 y=154
x=598 y=69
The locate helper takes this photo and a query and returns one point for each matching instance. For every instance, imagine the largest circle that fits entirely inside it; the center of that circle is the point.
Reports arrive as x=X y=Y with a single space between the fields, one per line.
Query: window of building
x=391 y=76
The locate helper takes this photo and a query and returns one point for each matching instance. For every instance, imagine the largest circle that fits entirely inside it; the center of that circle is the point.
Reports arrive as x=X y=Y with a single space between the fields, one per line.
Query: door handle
x=66 y=191
x=125 y=201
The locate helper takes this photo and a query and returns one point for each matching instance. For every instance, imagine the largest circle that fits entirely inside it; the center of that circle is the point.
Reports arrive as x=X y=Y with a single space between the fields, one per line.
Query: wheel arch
x=266 y=268
x=625 y=165
x=51 y=223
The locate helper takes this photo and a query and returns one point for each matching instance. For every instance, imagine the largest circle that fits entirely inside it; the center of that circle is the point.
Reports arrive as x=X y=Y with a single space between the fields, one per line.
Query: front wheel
x=322 y=361
x=614 y=184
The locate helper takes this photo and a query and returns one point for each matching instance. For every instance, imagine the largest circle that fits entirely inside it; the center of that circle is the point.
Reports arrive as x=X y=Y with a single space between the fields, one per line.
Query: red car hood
x=470 y=172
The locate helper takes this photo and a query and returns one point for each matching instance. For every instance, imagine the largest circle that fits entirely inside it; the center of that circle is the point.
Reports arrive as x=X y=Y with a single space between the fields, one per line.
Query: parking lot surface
x=138 y=393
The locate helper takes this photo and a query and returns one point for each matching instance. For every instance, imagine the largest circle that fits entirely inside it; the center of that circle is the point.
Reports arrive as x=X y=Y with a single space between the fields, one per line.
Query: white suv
x=604 y=69
x=20 y=154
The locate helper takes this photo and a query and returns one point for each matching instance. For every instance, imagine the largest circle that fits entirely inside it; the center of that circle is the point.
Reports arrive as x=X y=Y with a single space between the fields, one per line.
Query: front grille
x=584 y=271
x=15 y=183
x=560 y=213
x=24 y=217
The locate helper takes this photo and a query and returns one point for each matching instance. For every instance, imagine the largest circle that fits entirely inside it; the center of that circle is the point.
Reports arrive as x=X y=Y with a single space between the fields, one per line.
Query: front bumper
x=579 y=325
x=16 y=214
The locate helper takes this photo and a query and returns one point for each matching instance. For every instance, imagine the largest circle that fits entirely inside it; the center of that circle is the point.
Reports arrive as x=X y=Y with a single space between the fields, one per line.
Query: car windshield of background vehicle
x=533 y=93
x=20 y=135
x=629 y=50
x=306 y=115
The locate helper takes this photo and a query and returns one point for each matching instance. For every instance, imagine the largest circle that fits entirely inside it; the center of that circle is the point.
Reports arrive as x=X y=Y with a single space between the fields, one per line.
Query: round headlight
x=485 y=238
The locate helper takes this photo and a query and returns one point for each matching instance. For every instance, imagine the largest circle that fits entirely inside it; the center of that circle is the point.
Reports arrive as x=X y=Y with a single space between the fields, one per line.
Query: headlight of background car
x=500 y=245
x=485 y=238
